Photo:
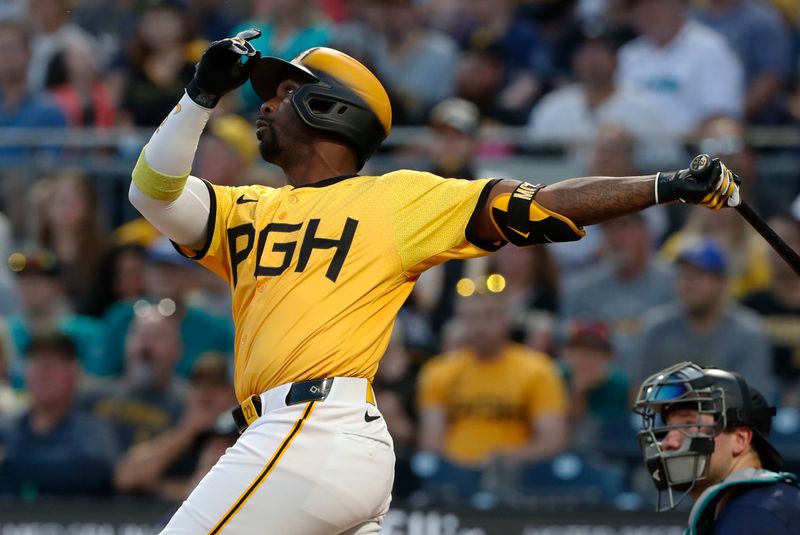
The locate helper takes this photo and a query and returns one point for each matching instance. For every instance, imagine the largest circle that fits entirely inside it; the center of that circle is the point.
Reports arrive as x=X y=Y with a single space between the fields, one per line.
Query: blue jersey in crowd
x=76 y=456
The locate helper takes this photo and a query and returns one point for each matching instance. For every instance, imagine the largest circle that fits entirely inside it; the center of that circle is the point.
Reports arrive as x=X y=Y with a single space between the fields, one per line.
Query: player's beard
x=269 y=146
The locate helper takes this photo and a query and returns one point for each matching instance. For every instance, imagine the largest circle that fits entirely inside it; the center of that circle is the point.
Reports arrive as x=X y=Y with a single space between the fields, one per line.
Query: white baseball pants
x=314 y=468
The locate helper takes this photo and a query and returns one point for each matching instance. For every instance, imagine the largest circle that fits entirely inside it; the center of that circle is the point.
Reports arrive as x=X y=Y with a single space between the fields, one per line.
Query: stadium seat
x=785 y=436
x=443 y=481
x=572 y=479
x=615 y=437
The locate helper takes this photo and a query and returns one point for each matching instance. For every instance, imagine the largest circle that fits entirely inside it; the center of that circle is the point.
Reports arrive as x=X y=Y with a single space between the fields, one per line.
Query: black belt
x=250 y=409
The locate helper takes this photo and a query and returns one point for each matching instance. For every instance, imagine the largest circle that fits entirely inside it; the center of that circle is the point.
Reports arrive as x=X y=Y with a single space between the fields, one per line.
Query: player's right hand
x=707 y=181
x=221 y=69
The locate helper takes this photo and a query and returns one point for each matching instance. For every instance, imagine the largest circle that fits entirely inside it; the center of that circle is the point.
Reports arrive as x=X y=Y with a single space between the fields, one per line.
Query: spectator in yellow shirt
x=491 y=398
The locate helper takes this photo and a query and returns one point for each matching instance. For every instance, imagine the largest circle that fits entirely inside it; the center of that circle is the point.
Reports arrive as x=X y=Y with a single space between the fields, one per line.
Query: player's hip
x=340 y=404
x=330 y=434
x=284 y=368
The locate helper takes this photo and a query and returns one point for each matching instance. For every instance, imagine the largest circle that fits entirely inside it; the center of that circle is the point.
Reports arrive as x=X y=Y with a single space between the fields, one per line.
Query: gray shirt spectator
x=737 y=342
x=704 y=325
x=621 y=290
x=603 y=294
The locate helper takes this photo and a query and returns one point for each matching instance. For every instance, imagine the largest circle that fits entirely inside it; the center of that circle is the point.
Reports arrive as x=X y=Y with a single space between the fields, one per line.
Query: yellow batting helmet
x=339 y=95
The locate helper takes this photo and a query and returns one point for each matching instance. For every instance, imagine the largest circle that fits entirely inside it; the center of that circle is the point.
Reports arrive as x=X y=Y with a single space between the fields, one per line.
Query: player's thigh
x=333 y=477
x=230 y=483
x=322 y=479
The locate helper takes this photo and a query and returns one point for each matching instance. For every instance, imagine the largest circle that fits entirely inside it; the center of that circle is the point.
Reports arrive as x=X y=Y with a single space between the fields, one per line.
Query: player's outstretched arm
x=523 y=214
x=162 y=190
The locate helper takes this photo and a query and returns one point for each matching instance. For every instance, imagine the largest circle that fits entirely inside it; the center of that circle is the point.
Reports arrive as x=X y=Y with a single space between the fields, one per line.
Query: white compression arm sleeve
x=168 y=155
x=172 y=146
x=183 y=220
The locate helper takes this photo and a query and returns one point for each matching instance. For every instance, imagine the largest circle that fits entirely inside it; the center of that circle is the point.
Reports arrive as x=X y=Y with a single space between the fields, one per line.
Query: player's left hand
x=707 y=181
x=221 y=68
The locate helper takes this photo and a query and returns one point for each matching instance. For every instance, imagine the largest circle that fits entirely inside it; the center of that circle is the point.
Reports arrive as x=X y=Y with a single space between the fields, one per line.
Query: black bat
x=787 y=253
x=698 y=167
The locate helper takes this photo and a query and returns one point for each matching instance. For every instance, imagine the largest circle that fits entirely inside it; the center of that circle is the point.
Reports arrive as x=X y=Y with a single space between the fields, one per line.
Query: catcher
x=705 y=434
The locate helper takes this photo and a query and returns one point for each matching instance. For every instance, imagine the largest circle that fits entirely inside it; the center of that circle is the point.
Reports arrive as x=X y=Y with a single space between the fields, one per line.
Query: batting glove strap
x=201 y=97
x=665 y=187
x=221 y=69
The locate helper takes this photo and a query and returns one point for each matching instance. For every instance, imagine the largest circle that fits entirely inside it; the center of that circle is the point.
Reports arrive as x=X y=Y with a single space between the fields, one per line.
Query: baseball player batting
x=319 y=268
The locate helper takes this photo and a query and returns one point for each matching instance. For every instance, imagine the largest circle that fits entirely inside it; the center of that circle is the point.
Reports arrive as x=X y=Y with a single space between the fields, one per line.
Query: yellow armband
x=157 y=185
x=523 y=222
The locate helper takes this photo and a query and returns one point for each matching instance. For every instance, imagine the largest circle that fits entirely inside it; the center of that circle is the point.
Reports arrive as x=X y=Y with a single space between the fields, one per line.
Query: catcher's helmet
x=725 y=396
x=340 y=96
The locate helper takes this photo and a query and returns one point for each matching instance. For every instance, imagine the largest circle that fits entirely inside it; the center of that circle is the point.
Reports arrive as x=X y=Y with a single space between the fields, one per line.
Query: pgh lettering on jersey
x=319 y=272
x=310 y=241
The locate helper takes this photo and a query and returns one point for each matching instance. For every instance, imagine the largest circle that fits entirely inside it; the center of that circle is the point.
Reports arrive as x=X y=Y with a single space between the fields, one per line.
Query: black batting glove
x=221 y=69
x=706 y=181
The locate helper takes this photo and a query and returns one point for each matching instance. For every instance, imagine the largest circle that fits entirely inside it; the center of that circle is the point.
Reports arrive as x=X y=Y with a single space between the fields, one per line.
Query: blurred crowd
x=507 y=377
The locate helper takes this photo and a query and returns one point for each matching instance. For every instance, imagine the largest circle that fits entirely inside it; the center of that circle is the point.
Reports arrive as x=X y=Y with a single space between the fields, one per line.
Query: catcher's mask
x=339 y=96
x=723 y=395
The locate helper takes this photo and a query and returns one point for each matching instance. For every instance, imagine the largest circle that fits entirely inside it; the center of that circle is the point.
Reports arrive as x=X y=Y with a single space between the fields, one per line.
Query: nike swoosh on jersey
x=369 y=418
x=242 y=200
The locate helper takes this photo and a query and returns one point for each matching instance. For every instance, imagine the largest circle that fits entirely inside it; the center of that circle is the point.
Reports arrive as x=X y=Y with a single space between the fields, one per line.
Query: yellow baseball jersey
x=491 y=404
x=318 y=273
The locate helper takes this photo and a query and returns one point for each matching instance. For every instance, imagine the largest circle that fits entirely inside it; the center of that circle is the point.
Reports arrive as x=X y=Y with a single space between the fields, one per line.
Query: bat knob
x=700 y=164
